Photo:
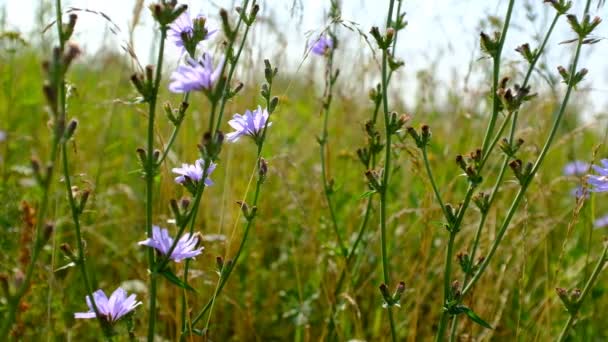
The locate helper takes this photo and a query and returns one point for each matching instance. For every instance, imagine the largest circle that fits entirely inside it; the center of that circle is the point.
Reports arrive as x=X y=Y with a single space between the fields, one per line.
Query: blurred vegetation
x=284 y=287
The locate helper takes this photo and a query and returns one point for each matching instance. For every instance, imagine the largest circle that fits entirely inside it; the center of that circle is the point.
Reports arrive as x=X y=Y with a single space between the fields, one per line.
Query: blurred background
x=283 y=288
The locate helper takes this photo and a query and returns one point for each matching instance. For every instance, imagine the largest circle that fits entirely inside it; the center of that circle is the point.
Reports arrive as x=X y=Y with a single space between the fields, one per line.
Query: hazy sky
x=450 y=27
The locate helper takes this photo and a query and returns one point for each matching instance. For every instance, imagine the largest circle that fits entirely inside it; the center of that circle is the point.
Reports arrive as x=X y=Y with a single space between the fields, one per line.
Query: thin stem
x=533 y=172
x=386 y=172
x=590 y=283
x=233 y=65
x=323 y=150
x=503 y=168
x=495 y=78
x=429 y=172
x=76 y=218
x=224 y=278
x=231 y=71
x=59 y=124
x=485 y=151
x=175 y=132
x=13 y=301
x=150 y=170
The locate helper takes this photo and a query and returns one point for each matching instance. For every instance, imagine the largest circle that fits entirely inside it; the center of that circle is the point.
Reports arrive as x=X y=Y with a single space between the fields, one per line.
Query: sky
x=441 y=31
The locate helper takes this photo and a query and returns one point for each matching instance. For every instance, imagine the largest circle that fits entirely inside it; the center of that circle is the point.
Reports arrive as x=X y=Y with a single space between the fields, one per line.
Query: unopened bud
x=69 y=132
x=262 y=168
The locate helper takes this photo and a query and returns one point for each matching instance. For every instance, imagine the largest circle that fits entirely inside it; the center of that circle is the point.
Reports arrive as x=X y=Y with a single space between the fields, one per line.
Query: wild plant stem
x=174 y=134
x=485 y=151
x=59 y=124
x=503 y=168
x=535 y=168
x=150 y=171
x=429 y=172
x=590 y=283
x=76 y=218
x=223 y=92
x=232 y=66
x=14 y=300
x=323 y=151
x=386 y=172
x=250 y=220
x=495 y=78
x=224 y=278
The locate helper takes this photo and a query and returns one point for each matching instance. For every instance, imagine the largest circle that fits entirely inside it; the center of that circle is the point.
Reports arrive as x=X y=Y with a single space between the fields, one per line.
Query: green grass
x=283 y=287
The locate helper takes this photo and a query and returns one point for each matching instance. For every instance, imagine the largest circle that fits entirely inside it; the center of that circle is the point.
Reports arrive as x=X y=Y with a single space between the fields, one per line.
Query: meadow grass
x=283 y=286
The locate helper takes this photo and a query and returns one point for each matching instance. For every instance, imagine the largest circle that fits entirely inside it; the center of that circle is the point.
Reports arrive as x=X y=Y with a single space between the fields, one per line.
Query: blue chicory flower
x=184 y=26
x=576 y=168
x=599 y=183
x=251 y=124
x=579 y=191
x=111 y=309
x=601 y=222
x=195 y=75
x=322 y=45
x=162 y=242
x=194 y=172
x=2 y=135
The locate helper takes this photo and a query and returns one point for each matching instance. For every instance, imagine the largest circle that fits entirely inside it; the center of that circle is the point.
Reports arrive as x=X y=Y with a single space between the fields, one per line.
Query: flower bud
x=68 y=252
x=73 y=51
x=69 y=132
x=262 y=168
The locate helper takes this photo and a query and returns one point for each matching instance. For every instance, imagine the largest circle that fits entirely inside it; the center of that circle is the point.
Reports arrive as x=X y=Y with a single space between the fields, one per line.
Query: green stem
x=495 y=78
x=174 y=134
x=432 y=180
x=485 y=151
x=590 y=283
x=231 y=73
x=498 y=183
x=323 y=150
x=59 y=124
x=224 y=278
x=535 y=168
x=150 y=169
x=233 y=65
x=76 y=218
x=386 y=173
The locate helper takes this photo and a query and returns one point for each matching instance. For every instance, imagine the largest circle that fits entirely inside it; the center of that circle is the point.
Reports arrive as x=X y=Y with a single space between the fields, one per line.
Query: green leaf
x=176 y=280
x=367 y=194
x=474 y=317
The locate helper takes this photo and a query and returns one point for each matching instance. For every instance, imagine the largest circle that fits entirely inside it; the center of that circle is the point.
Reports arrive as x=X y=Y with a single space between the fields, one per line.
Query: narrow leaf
x=176 y=280
x=475 y=318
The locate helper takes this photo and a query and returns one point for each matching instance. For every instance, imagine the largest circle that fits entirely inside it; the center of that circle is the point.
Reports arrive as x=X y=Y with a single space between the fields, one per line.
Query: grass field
x=284 y=285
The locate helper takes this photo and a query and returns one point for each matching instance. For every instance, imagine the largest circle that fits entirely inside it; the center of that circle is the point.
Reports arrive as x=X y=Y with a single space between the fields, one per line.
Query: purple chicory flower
x=601 y=222
x=579 y=191
x=599 y=183
x=322 y=45
x=194 y=172
x=195 y=75
x=576 y=168
x=251 y=123
x=161 y=241
x=184 y=27
x=2 y=135
x=113 y=308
